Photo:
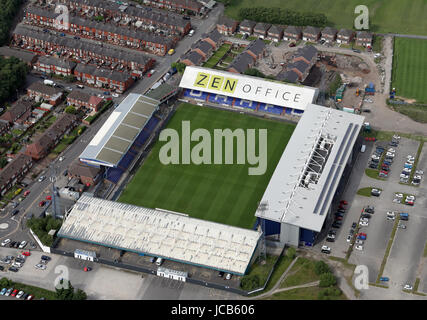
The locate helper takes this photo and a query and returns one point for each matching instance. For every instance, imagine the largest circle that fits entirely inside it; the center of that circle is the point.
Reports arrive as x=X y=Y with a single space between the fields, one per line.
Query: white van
x=363 y=148
x=159 y=261
x=191 y=33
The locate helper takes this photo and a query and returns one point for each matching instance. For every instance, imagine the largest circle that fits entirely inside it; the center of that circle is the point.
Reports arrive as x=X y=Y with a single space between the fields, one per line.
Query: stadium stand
x=245 y=104
x=195 y=94
x=217 y=98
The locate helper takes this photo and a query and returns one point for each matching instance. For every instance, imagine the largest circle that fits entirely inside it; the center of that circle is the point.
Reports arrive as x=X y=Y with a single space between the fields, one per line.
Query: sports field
x=220 y=193
x=396 y=16
x=410 y=68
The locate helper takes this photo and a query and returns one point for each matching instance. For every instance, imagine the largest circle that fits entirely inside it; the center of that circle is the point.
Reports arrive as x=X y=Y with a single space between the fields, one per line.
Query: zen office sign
x=248 y=88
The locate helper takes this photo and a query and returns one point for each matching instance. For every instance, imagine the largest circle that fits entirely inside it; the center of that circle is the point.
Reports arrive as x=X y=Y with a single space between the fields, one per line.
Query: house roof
x=80 y=45
x=262 y=26
x=79 y=95
x=330 y=31
x=16 y=110
x=94 y=100
x=275 y=29
x=78 y=168
x=44 y=89
x=288 y=76
x=214 y=35
x=241 y=62
x=308 y=52
x=13 y=167
x=293 y=30
x=256 y=46
x=47 y=60
x=345 y=33
x=299 y=65
x=311 y=30
x=363 y=35
x=22 y=55
x=203 y=46
x=193 y=56
x=247 y=23
x=226 y=21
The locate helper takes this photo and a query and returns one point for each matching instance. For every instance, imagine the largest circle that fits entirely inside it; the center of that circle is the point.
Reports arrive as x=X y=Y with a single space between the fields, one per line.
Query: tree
x=180 y=67
x=321 y=267
x=3 y=162
x=328 y=293
x=291 y=252
x=80 y=295
x=250 y=282
x=327 y=280
x=66 y=292
x=70 y=109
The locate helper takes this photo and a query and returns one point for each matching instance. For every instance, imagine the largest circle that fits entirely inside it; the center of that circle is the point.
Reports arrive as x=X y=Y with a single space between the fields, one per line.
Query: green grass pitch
x=220 y=193
x=395 y=16
x=410 y=68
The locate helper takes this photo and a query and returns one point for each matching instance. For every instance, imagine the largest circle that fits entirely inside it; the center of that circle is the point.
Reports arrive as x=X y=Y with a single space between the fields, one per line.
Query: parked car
x=221 y=274
x=8 y=292
x=26 y=253
x=407 y=287
x=228 y=276
x=5 y=242
x=14 y=293
x=42 y=203
x=292 y=44
x=30 y=297
x=375 y=192
x=369 y=209
x=48 y=198
x=41 y=178
x=23 y=244
x=349 y=238
x=359 y=242
x=46 y=258
x=40 y=266
x=358 y=247
x=20 y=294
x=325 y=249
x=3 y=291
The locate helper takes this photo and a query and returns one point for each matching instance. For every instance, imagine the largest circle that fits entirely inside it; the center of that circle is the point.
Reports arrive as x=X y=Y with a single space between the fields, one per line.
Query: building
x=302 y=62
x=247 y=27
x=311 y=34
x=260 y=29
x=80 y=99
x=51 y=137
x=292 y=33
x=226 y=26
x=177 y=5
x=242 y=92
x=147 y=18
x=158 y=233
x=214 y=38
x=100 y=77
x=308 y=182
x=14 y=172
x=329 y=34
x=88 y=175
x=28 y=57
x=192 y=58
x=241 y=63
x=345 y=36
x=162 y=93
x=4 y=126
x=130 y=122
x=256 y=49
x=364 y=39
x=46 y=43
x=203 y=48
x=48 y=65
x=19 y=110
x=275 y=33
x=40 y=91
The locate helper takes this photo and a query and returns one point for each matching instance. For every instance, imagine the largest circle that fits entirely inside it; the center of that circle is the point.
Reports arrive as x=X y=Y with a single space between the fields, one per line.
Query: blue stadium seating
x=245 y=104
x=297 y=111
x=151 y=124
x=270 y=108
x=114 y=174
x=125 y=162
x=216 y=98
x=288 y=110
x=195 y=94
x=142 y=137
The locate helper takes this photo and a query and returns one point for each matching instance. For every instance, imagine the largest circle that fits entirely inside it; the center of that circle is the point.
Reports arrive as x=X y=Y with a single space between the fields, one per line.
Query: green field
x=410 y=68
x=220 y=193
x=396 y=16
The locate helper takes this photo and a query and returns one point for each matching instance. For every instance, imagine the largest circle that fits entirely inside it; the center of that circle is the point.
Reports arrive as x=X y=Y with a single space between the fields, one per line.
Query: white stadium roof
x=304 y=182
x=119 y=131
x=248 y=87
x=160 y=233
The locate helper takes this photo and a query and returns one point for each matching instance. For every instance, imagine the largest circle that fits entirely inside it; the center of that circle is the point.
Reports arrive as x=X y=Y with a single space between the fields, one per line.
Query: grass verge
x=35 y=291
x=366 y=192
x=303 y=271
x=387 y=251
x=373 y=173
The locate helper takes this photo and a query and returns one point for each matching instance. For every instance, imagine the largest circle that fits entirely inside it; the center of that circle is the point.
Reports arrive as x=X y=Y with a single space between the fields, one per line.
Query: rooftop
x=160 y=233
x=304 y=182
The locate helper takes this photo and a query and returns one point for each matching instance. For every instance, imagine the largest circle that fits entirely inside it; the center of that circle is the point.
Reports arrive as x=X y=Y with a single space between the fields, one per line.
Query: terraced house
x=149 y=18
x=226 y=26
x=38 y=91
x=51 y=137
x=108 y=32
x=18 y=112
x=105 y=78
x=57 y=66
x=45 y=43
x=345 y=36
x=177 y=5
x=311 y=34
x=14 y=172
x=364 y=39
x=292 y=33
x=80 y=99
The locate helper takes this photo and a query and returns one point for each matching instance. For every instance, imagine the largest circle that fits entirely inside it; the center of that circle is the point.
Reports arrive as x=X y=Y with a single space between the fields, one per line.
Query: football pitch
x=410 y=68
x=223 y=193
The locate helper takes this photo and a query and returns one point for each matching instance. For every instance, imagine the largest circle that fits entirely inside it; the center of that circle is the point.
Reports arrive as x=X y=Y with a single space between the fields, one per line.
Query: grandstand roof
x=120 y=130
x=160 y=233
x=319 y=149
x=248 y=87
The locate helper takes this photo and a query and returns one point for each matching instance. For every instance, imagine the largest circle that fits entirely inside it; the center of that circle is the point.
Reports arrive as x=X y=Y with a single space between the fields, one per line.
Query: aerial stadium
x=183 y=212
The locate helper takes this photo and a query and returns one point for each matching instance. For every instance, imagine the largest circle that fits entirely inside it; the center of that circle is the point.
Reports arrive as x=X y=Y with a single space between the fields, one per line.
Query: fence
x=41 y=245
